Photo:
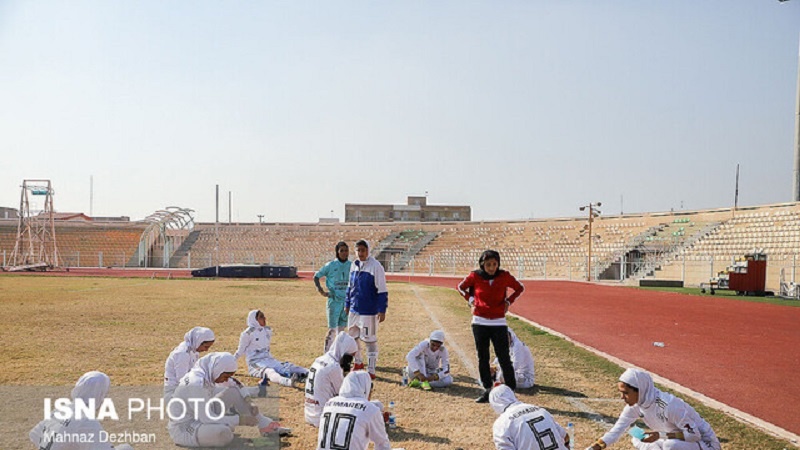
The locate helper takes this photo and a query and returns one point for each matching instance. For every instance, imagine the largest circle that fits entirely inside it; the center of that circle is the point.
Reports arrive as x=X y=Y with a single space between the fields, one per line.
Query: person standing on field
x=366 y=302
x=337 y=274
x=486 y=290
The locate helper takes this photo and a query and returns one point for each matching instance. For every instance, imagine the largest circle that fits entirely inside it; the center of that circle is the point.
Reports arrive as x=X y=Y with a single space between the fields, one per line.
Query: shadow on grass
x=540 y=389
x=410 y=435
x=597 y=417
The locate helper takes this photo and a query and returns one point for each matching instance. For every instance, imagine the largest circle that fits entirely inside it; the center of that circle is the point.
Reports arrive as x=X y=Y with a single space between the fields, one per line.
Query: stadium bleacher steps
x=412 y=251
x=679 y=247
x=184 y=248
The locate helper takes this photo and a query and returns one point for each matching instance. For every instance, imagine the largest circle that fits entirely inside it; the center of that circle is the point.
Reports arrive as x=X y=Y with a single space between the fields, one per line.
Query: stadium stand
x=691 y=246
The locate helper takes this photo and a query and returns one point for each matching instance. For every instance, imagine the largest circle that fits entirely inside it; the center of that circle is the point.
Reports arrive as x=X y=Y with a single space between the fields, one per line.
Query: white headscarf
x=642 y=381
x=438 y=336
x=513 y=336
x=211 y=366
x=342 y=345
x=356 y=385
x=501 y=398
x=92 y=385
x=251 y=319
x=195 y=337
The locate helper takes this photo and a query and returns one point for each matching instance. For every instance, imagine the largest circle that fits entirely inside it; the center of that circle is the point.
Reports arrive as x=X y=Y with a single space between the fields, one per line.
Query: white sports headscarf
x=342 y=345
x=211 y=366
x=195 y=337
x=92 y=385
x=251 y=319
x=513 y=336
x=642 y=381
x=501 y=398
x=437 y=335
x=356 y=385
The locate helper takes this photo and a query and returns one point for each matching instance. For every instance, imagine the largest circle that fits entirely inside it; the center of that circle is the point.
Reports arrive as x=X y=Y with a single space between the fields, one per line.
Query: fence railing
x=691 y=269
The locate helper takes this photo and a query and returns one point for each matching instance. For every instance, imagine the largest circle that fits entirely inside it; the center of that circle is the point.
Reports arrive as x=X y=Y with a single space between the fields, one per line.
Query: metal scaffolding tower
x=35 y=247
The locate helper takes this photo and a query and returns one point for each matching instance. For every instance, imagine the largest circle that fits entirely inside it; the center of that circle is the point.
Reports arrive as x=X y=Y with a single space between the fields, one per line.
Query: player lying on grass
x=254 y=343
x=522 y=426
x=54 y=434
x=429 y=363
x=326 y=375
x=183 y=357
x=195 y=419
x=521 y=359
x=350 y=420
x=675 y=425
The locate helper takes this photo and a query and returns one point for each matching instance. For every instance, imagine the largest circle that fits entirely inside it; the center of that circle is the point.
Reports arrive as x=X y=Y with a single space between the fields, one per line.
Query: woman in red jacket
x=486 y=291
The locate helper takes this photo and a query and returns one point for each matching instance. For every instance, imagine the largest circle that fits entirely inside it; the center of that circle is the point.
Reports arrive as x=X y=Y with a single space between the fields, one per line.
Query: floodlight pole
x=591 y=207
x=796 y=193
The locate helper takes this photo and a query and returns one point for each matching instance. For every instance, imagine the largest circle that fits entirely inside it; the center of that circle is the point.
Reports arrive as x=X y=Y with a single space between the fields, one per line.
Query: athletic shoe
x=426 y=386
x=358 y=366
x=484 y=398
x=296 y=380
x=280 y=431
x=373 y=376
x=414 y=383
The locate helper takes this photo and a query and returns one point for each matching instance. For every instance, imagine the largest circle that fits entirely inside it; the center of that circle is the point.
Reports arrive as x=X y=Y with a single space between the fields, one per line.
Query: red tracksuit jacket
x=490 y=295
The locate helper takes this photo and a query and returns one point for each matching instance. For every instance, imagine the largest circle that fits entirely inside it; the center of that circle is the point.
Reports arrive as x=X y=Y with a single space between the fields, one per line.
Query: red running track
x=743 y=354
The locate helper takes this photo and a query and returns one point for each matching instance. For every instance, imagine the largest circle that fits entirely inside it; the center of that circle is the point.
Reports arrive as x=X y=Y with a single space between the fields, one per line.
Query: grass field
x=55 y=329
x=727 y=294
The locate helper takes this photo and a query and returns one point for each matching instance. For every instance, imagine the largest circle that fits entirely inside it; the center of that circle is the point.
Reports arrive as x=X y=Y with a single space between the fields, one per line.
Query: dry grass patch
x=55 y=329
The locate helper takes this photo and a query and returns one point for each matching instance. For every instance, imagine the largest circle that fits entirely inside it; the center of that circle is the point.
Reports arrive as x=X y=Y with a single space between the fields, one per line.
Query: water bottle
x=571 y=434
x=392 y=417
x=404 y=382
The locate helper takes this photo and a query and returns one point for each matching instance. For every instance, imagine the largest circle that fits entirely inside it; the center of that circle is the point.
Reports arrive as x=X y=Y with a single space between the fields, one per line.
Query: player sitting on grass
x=53 y=434
x=675 y=424
x=326 y=375
x=350 y=420
x=522 y=426
x=521 y=359
x=183 y=357
x=429 y=363
x=195 y=420
x=254 y=342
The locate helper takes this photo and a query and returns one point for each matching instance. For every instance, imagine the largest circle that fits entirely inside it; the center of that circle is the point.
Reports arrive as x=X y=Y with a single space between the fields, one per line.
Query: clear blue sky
x=517 y=108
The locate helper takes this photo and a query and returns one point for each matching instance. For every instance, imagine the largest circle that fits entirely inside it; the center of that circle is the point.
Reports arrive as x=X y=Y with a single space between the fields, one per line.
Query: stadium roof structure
x=160 y=238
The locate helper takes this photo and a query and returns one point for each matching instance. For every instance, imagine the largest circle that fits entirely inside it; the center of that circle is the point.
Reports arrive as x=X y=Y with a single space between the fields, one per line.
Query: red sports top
x=490 y=295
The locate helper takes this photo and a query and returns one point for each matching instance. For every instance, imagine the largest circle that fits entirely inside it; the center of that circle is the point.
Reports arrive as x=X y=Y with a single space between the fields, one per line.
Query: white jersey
x=421 y=358
x=254 y=344
x=350 y=424
x=528 y=427
x=668 y=414
x=323 y=383
x=349 y=420
x=182 y=358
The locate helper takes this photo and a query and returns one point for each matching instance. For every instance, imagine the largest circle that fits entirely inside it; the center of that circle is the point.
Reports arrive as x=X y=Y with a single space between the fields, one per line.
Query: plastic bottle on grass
x=392 y=417
x=571 y=434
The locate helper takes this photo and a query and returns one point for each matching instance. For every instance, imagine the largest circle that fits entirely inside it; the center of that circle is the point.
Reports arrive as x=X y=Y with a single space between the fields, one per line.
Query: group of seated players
x=338 y=398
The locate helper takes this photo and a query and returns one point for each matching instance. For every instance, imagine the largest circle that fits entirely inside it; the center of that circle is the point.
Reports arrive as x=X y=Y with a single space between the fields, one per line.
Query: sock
x=372 y=356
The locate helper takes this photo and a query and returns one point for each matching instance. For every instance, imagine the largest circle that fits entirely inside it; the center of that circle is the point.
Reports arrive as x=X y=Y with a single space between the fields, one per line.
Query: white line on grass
x=473 y=371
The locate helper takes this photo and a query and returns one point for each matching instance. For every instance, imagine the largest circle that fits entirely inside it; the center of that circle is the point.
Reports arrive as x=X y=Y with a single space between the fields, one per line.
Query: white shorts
x=367 y=326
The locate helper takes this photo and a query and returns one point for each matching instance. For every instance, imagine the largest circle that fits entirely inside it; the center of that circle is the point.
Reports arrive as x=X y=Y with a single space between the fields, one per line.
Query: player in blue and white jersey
x=366 y=303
